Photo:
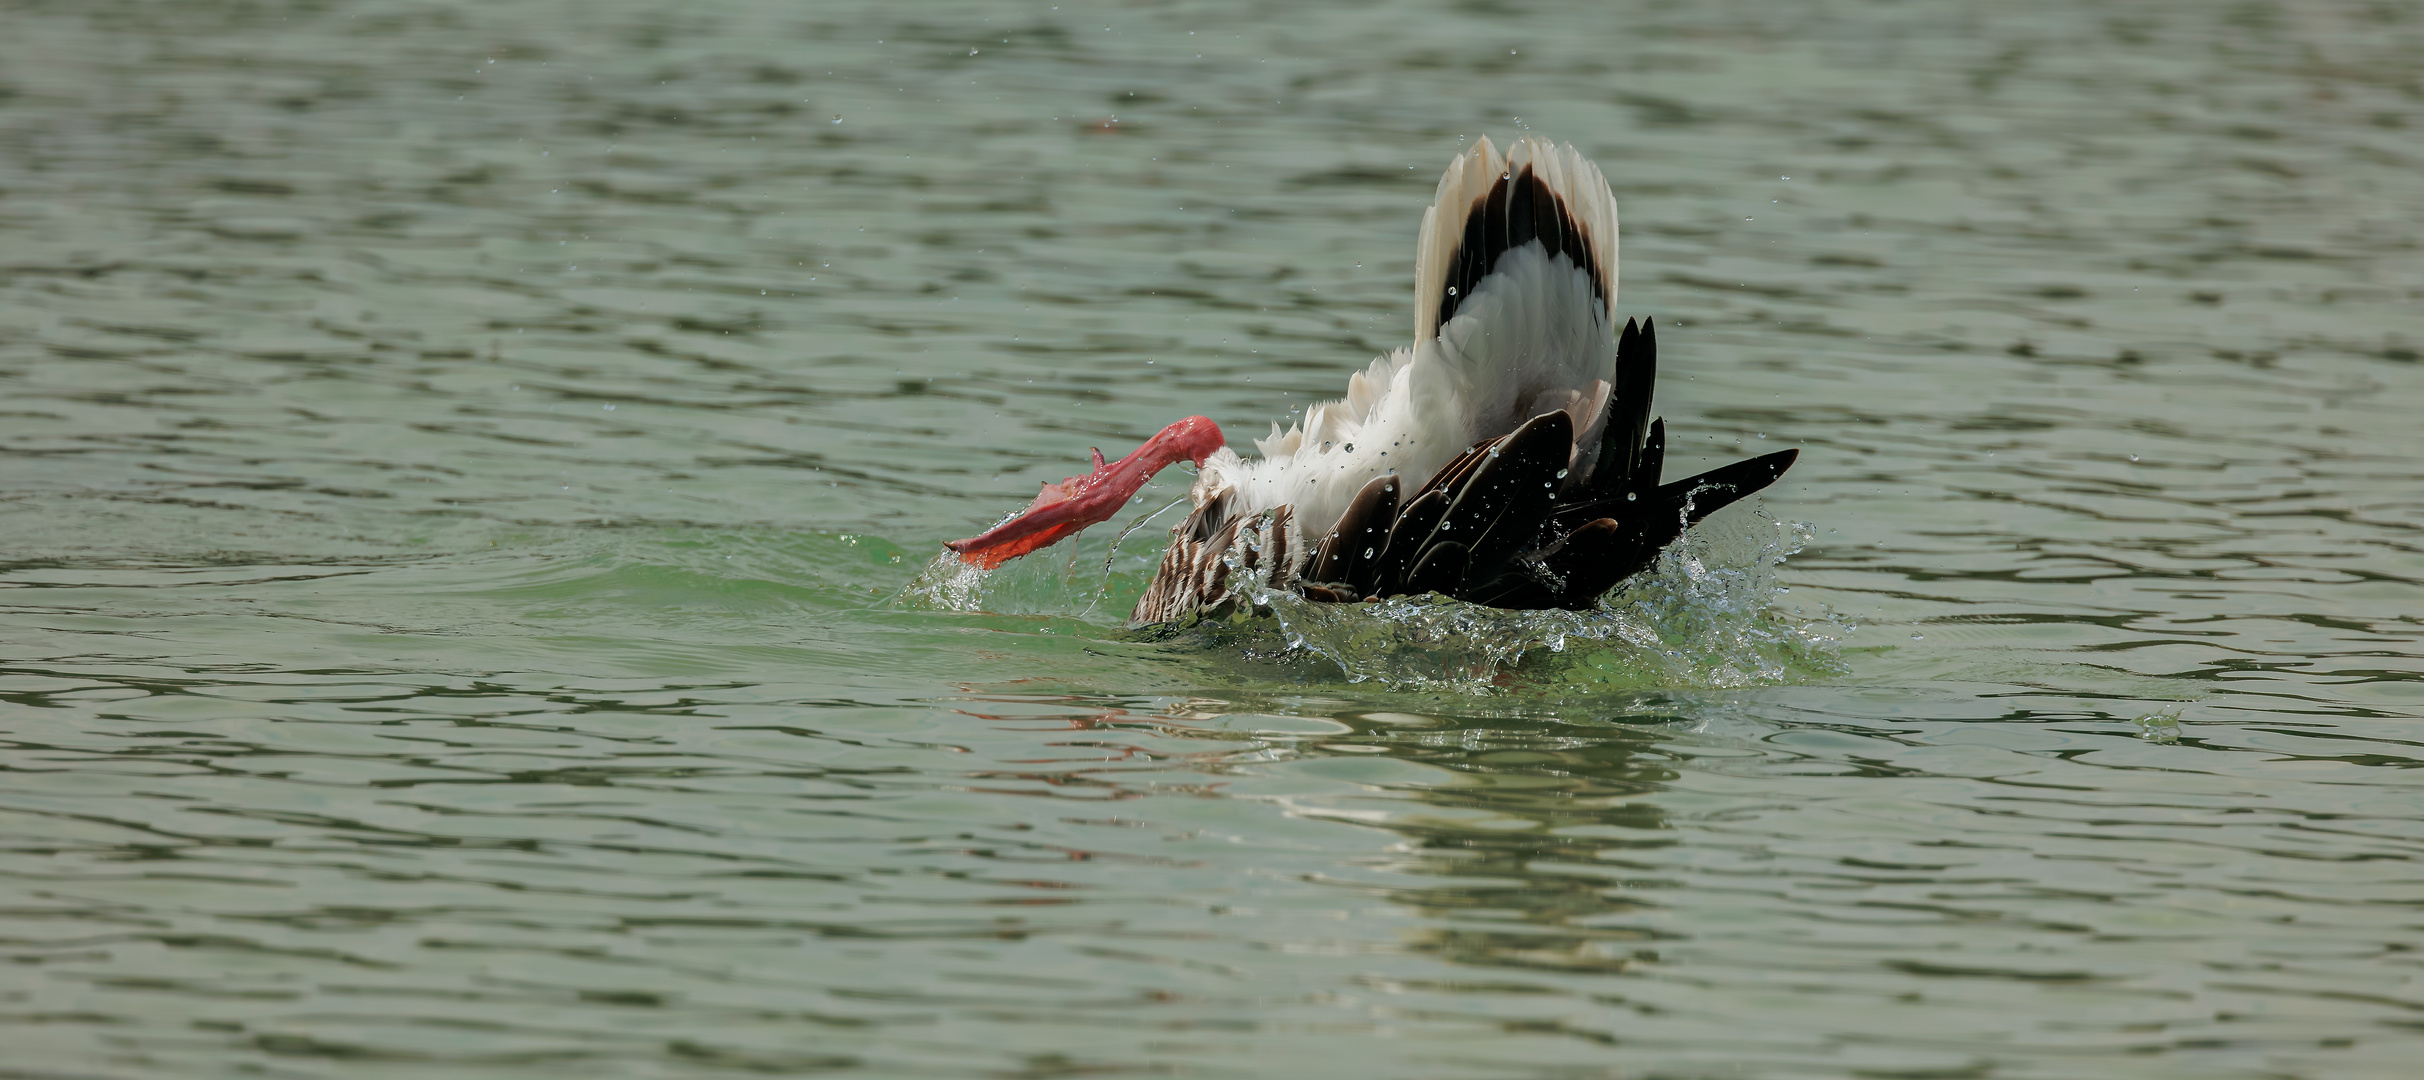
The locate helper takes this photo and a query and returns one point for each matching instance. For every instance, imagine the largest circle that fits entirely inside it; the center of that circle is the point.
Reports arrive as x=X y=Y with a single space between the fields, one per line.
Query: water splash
x=2161 y=727
x=1705 y=616
x=1092 y=577
x=946 y=584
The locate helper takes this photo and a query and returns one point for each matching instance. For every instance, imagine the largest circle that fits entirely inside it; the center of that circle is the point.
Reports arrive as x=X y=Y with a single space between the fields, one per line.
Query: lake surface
x=470 y=476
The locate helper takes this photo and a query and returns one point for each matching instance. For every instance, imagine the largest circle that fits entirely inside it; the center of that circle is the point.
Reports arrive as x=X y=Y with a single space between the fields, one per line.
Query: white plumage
x=1534 y=336
x=1507 y=457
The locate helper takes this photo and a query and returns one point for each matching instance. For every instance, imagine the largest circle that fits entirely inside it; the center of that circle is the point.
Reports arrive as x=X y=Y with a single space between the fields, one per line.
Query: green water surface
x=469 y=474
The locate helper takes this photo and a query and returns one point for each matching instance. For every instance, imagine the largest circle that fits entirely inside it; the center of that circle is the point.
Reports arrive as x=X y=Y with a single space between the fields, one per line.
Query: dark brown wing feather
x=1352 y=549
x=1489 y=527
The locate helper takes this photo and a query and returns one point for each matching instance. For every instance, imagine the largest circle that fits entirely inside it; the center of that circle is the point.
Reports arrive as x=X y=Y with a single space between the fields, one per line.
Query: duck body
x=1507 y=457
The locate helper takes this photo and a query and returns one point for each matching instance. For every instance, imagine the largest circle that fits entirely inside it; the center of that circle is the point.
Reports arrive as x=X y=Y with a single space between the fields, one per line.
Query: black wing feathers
x=1699 y=496
x=1503 y=505
x=1351 y=553
x=1489 y=529
x=1620 y=442
x=1439 y=570
x=1652 y=459
x=1406 y=537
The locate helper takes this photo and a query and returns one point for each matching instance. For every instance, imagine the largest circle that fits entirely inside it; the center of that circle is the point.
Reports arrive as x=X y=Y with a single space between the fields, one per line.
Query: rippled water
x=466 y=471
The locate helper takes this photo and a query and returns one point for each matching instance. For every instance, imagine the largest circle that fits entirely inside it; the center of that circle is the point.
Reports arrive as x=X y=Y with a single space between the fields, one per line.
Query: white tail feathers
x=1517 y=259
x=1476 y=174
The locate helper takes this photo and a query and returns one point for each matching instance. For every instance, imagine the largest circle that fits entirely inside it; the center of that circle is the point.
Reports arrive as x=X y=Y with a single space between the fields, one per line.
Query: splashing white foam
x=948 y=584
x=1705 y=616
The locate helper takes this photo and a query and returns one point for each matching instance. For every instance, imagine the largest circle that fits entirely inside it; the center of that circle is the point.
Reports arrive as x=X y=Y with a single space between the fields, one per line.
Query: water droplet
x=1561 y=474
x=1451 y=290
x=1628 y=496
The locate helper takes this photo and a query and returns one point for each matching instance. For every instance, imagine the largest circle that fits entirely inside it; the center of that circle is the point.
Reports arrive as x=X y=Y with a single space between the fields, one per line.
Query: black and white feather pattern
x=1507 y=457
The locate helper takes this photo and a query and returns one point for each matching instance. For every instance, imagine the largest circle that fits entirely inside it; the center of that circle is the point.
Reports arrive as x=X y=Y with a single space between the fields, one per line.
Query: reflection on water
x=466 y=472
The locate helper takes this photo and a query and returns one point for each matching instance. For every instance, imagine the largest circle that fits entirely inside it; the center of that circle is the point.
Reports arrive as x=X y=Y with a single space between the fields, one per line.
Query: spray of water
x=1709 y=615
x=1098 y=581
x=1706 y=616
